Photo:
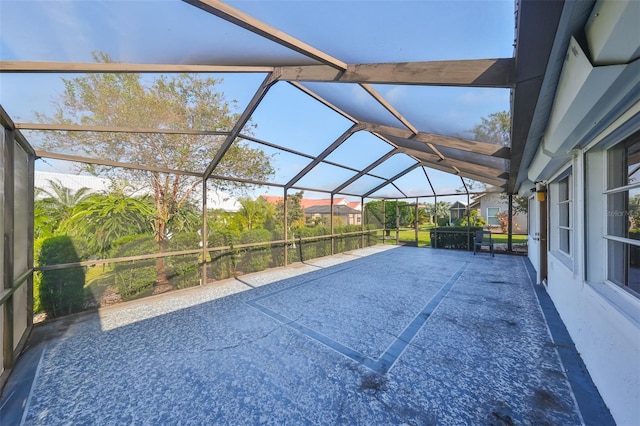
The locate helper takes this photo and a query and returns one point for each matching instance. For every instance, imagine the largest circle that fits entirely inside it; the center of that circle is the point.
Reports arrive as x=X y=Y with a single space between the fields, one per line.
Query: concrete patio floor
x=383 y=335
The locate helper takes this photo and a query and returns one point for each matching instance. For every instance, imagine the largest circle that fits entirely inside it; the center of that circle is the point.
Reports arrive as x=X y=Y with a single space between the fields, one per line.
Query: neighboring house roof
x=339 y=210
x=310 y=202
x=272 y=199
x=356 y=205
x=476 y=201
x=458 y=205
x=73 y=182
x=477 y=198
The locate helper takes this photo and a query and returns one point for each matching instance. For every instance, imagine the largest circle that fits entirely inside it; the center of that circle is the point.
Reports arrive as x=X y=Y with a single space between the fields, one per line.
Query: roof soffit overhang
x=544 y=30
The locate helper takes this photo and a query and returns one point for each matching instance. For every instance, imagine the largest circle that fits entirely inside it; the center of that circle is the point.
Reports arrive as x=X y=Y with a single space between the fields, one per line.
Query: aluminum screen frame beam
x=320 y=157
x=495 y=181
x=490 y=73
x=394 y=178
x=367 y=169
x=116 y=129
x=269 y=81
x=243 y=20
x=481 y=148
x=123 y=68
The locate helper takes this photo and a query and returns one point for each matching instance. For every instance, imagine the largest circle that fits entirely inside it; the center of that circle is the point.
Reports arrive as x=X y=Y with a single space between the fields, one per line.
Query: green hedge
x=312 y=248
x=184 y=271
x=59 y=292
x=258 y=258
x=134 y=278
x=233 y=261
x=223 y=262
x=347 y=242
x=443 y=221
x=277 y=250
x=453 y=237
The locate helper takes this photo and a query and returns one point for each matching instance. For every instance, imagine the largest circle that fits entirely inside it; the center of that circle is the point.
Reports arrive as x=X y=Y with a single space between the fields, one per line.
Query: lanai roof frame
x=498 y=73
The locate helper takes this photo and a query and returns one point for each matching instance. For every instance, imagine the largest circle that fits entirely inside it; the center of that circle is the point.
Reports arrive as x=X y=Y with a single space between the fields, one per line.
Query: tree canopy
x=182 y=101
x=376 y=214
x=440 y=210
x=168 y=102
x=295 y=212
x=496 y=128
x=54 y=206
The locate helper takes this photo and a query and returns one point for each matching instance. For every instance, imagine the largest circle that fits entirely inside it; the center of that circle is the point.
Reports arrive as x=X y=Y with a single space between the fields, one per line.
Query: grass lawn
x=515 y=239
x=408 y=236
x=424 y=239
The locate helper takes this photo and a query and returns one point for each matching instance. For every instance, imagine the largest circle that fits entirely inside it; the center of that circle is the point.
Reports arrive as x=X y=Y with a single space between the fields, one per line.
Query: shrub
x=474 y=220
x=257 y=258
x=453 y=237
x=443 y=221
x=184 y=241
x=37 y=277
x=347 y=242
x=293 y=248
x=223 y=262
x=277 y=250
x=313 y=248
x=58 y=292
x=134 y=278
x=184 y=271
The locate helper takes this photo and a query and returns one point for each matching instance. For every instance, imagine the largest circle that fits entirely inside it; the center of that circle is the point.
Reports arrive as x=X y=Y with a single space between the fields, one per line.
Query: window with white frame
x=530 y=213
x=492 y=216
x=623 y=215
x=561 y=216
x=564 y=214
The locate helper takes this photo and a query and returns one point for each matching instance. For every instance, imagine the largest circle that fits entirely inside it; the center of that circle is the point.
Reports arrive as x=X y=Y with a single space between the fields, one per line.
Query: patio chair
x=483 y=238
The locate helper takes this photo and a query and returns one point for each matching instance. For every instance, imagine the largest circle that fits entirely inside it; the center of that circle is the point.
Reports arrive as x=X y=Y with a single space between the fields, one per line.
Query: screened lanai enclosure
x=177 y=141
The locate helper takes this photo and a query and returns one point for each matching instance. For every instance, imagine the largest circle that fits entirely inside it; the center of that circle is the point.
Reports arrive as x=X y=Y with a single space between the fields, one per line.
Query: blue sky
x=352 y=31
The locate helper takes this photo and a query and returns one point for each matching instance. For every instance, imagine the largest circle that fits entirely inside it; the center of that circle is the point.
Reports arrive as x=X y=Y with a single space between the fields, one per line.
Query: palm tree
x=100 y=219
x=441 y=209
x=52 y=207
x=253 y=214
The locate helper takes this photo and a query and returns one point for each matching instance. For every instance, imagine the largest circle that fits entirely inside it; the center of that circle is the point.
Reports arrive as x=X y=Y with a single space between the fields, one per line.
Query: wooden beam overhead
x=115 y=129
x=498 y=73
x=256 y=26
x=495 y=181
x=428 y=179
x=460 y=165
x=386 y=105
x=468 y=73
x=476 y=147
x=103 y=162
x=399 y=190
x=323 y=101
x=119 y=67
x=464 y=157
